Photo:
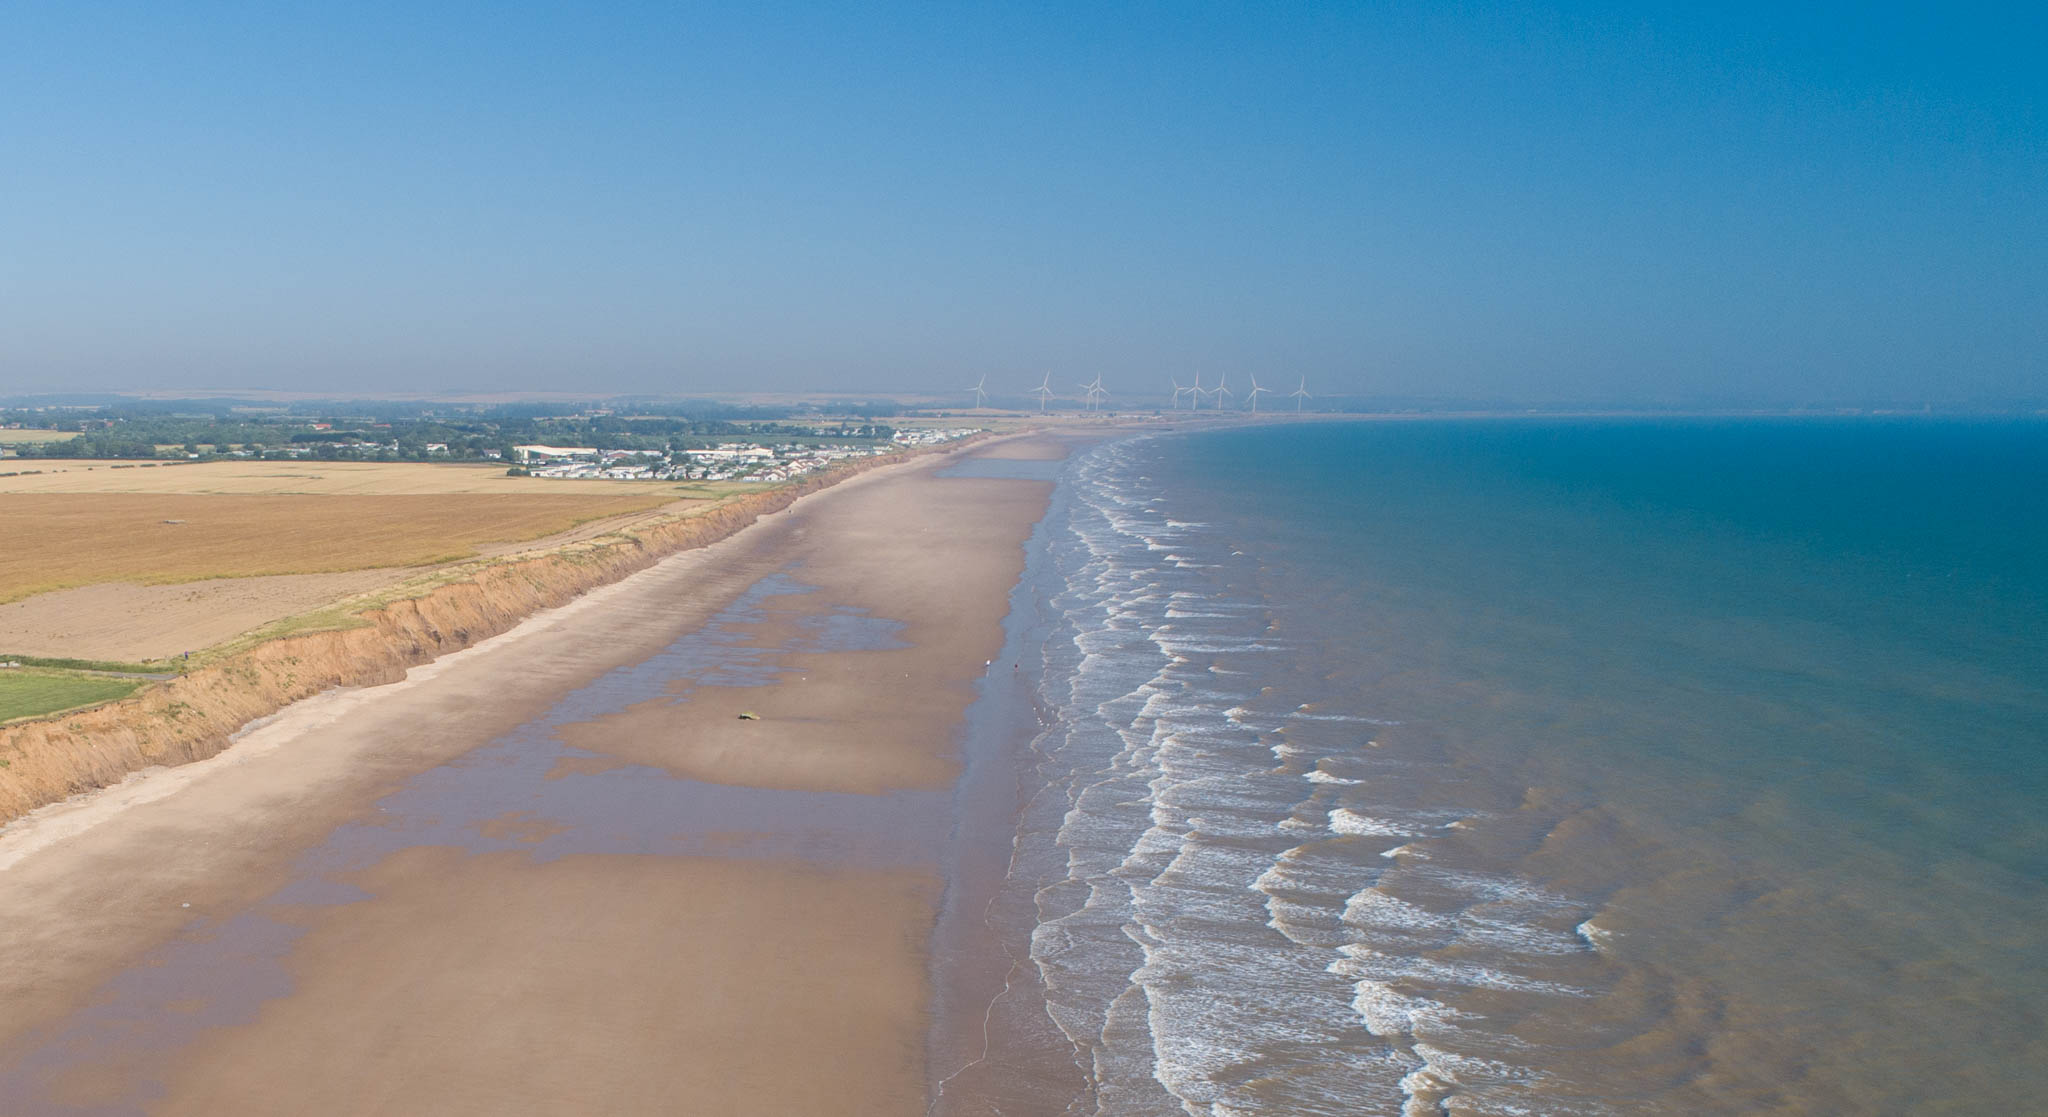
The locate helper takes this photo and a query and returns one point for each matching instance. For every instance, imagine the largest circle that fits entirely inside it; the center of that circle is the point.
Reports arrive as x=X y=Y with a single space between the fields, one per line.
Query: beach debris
x=749 y=715
x=174 y=521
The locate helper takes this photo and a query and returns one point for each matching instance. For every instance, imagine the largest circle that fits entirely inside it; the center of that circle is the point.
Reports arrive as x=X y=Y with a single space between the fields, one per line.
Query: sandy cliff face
x=192 y=717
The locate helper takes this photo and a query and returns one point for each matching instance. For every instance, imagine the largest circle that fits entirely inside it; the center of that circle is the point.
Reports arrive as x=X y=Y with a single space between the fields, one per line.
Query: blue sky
x=1624 y=205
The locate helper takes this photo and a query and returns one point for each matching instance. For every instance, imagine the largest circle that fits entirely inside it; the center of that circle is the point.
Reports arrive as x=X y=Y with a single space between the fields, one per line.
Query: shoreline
x=980 y=957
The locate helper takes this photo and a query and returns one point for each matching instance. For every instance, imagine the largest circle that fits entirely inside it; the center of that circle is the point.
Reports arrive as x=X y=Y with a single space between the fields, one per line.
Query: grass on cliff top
x=32 y=691
x=77 y=539
x=161 y=667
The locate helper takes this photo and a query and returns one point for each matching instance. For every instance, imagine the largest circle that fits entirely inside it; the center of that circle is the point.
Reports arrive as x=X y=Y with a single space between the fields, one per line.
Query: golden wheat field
x=58 y=540
x=58 y=475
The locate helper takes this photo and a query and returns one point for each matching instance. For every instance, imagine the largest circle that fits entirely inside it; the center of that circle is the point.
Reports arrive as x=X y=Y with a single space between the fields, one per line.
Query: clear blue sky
x=1711 y=203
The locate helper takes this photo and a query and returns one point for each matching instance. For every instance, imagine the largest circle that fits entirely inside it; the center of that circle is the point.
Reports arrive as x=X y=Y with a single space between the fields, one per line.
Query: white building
x=538 y=452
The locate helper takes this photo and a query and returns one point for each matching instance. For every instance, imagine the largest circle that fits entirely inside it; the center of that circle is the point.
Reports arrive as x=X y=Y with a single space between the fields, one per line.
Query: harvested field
x=56 y=475
x=76 y=539
x=132 y=624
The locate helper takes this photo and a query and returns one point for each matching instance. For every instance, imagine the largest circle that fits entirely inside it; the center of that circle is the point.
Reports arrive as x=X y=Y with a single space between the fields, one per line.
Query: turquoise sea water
x=1552 y=767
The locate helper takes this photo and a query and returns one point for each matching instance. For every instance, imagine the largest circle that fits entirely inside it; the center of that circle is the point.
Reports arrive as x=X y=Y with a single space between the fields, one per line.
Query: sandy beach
x=555 y=872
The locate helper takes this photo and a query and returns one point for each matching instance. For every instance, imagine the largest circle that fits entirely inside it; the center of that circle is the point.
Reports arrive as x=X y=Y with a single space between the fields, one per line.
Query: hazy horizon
x=1522 y=206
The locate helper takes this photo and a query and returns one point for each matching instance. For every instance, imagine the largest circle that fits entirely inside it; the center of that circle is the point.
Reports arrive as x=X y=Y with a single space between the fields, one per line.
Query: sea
x=1538 y=766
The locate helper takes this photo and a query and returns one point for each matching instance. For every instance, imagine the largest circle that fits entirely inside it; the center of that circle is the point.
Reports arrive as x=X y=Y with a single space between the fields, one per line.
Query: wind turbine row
x=1093 y=393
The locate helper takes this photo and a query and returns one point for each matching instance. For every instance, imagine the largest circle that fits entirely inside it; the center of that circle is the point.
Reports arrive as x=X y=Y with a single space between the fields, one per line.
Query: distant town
x=727 y=461
x=708 y=442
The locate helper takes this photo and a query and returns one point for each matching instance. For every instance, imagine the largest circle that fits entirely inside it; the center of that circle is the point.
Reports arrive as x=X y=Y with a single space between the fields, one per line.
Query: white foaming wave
x=1215 y=698
x=1372 y=914
x=1210 y=601
x=1279 y=997
x=1174 y=644
x=1317 y=775
x=1300 y=870
x=1597 y=937
x=1355 y=719
x=1511 y=936
x=1102 y=640
x=1445 y=1071
x=1364 y=961
x=1500 y=912
x=1166 y=885
x=1391 y=1015
x=1372 y=908
x=1344 y=820
x=1286 y=751
x=1203 y=792
x=1113 y=648
x=1305 y=893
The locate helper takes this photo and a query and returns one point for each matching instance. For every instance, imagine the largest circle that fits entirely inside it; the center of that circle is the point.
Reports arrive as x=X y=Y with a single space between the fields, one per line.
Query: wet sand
x=934 y=560
x=553 y=873
x=488 y=984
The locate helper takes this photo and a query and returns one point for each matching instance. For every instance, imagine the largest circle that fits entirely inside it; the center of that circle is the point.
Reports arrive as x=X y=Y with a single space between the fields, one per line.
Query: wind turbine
x=1095 y=391
x=1300 y=394
x=1043 y=391
x=1255 y=393
x=981 y=397
x=1195 y=403
x=1222 y=389
x=1177 y=390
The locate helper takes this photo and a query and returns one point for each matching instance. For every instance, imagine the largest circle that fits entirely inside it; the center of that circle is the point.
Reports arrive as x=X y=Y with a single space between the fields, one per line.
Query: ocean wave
x=1354 y=719
x=1344 y=820
x=1597 y=937
x=1213 y=937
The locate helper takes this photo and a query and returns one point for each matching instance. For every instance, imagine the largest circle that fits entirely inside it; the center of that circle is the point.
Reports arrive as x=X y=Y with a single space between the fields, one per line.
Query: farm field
x=61 y=475
x=82 y=538
x=28 y=691
x=26 y=436
x=133 y=623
